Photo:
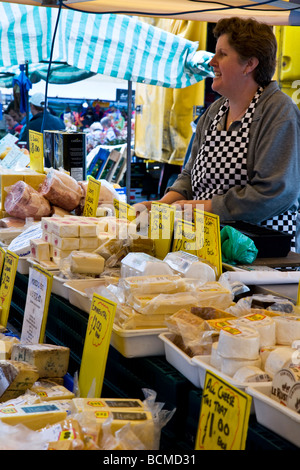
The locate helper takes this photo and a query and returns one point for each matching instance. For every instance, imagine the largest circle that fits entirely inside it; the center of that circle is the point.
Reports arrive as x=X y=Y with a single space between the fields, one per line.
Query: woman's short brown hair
x=251 y=39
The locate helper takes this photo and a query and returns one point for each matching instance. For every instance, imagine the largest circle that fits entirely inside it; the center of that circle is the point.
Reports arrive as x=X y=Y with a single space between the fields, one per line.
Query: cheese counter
x=126 y=377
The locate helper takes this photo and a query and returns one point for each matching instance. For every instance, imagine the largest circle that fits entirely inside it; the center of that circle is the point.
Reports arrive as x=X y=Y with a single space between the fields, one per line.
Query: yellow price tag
x=124 y=210
x=7 y=284
x=36 y=150
x=2 y=257
x=96 y=345
x=298 y=295
x=161 y=228
x=224 y=416
x=210 y=245
x=92 y=197
x=37 y=305
x=185 y=237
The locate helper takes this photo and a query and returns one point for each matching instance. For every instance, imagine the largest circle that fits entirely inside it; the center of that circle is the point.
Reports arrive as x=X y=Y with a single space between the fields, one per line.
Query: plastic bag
x=61 y=190
x=23 y=201
x=236 y=247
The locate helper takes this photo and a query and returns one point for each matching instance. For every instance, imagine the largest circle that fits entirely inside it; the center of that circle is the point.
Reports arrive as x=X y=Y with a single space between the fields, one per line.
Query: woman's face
x=228 y=68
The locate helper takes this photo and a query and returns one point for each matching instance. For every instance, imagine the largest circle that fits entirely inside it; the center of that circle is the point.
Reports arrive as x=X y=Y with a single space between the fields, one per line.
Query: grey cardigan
x=273 y=161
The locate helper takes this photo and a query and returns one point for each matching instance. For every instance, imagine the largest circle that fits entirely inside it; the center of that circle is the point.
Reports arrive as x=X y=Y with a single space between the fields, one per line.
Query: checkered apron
x=222 y=163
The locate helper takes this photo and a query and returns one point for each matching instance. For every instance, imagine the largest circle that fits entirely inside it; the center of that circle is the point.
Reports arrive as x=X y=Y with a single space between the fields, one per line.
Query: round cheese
x=239 y=342
x=201 y=271
x=283 y=381
x=251 y=374
x=277 y=359
x=230 y=366
x=264 y=325
x=287 y=329
x=293 y=399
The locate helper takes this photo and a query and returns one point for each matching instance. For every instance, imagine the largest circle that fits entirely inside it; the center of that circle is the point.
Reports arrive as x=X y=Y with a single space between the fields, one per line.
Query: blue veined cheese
x=15 y=378
x=49 y=359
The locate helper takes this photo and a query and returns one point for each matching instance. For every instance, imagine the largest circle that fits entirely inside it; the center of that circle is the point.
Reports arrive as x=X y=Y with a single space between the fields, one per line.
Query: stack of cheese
x=30 y=368
x=151 y=300
x=253 y=348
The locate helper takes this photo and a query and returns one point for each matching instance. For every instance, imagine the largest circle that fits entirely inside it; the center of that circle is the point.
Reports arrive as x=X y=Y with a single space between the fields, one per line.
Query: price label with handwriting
x=96 y=345
x=7 y=284
x=36 y=150
x=161 y=228
x=209 y=226
x=224 y=416
x=92 y=197
x=124 y=210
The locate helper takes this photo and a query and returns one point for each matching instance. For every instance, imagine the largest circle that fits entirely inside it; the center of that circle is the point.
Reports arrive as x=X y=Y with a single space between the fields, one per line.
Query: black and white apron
x=222 y=163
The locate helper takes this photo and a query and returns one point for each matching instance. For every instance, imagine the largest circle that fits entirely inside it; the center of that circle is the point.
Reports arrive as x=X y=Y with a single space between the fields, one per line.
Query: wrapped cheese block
x=129 y=319
x=239 y=342
x=142 y=264
x=155 y=284
x=189 y=265
x=35 y=416
x=23 y=201
x=167 y=304
x=61 y=190
x=50 y=360
x=64 y=228
x=277 y=358
x=287 y=329
x=283 y=381
x=15 y=378
x=214 y=294
x=86 y=263
x=248 y=374
x=48 y=390
x=40 y=249
x=263 y=324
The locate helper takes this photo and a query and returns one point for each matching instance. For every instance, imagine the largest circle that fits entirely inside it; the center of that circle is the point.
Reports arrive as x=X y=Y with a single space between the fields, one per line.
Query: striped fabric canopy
x=114 y=45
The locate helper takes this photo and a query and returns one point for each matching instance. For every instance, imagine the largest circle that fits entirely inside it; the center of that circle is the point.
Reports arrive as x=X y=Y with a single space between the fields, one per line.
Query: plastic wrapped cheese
x=23 y=201
x=166 y=304
x=214 y=294
x=189 y=265
x=239 y=342
x=251 y=374
x=283 y=381
x=86 y=263
x=265 y=326
x=61 y=190
x=287 y=329
x=142 y=264
x=277 y=358
x=230 y=366
x=155 y=284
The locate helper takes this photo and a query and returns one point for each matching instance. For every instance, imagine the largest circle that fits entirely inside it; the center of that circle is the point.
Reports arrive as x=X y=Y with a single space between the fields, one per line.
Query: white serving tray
x=181 y=361
x=76 y=291
x=203 y=363
x=138 y=343
x=23 y=266
x=59 y=288
x=273 y=415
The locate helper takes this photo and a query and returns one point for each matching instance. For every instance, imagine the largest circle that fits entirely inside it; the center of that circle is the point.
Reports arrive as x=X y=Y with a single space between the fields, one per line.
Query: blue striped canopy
x=115 y=45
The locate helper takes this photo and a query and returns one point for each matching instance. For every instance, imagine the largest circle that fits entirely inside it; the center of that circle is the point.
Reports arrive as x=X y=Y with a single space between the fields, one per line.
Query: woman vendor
x=244 y=162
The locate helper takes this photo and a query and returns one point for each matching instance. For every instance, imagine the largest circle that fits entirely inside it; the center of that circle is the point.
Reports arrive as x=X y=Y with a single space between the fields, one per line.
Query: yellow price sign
x=185 y=237
x=2 y=257
x=36 y=150
x=7 y=284
x=224 y=416
x=208 y=230
x=124 y=210
x=161 y=229
x=96 y=345
x=92 y=197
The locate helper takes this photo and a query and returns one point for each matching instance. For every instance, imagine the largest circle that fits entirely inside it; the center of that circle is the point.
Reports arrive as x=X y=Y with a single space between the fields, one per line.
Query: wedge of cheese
x=50 y=360
x=15 y=378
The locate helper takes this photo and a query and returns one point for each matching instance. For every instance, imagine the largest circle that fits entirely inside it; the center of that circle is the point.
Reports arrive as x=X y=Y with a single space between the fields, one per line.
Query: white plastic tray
x=23 y=266
x=273 y=415
x=181 y=361
x=203 y=363
x=76 y=292
x=138 y=343
x=59 y=288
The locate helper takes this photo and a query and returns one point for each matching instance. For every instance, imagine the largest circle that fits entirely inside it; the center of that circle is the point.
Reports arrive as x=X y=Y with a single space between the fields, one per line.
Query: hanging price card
x=92 y=197
x=37 y=305
x=186 y=237
x=124 y=211
x=224 y=416
x=7 y=284
x=96 y=345
x=161 y=228
x=36 y=151
x=209 y=225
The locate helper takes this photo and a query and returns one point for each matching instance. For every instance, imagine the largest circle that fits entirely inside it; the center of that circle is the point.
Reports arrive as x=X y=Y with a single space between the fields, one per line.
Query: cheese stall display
x=175 y=306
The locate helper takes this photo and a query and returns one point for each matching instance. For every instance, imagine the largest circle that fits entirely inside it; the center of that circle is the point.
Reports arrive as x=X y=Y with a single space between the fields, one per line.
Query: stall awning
x=118 y=46
x=274 y=12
